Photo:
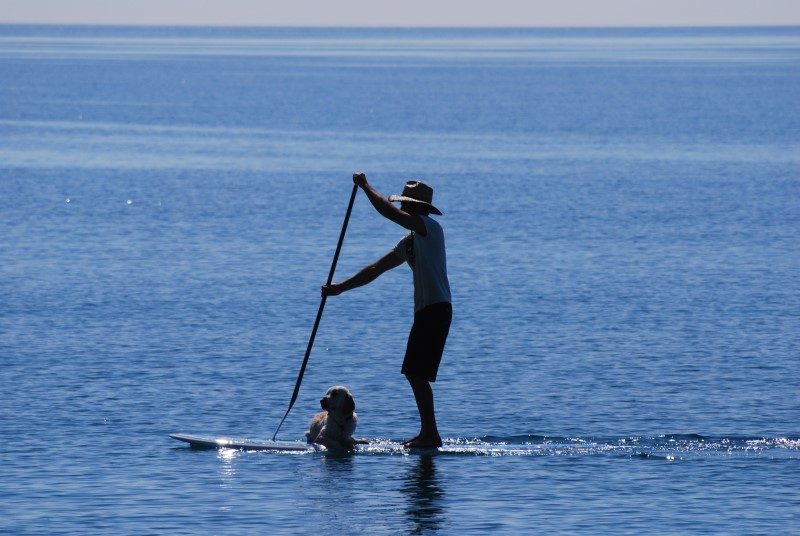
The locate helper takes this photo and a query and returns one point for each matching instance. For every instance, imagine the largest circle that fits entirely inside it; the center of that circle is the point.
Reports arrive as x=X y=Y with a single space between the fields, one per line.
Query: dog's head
x=338 y=401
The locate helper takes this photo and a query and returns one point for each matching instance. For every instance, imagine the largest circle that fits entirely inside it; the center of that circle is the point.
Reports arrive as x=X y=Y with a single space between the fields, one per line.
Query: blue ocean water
x=621 y=208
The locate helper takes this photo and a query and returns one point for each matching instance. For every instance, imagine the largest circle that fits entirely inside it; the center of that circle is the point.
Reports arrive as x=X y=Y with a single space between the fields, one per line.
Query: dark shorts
x=426 y=341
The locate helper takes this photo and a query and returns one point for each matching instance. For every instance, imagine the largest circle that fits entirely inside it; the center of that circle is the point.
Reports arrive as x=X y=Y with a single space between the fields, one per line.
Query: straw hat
x=417 y=192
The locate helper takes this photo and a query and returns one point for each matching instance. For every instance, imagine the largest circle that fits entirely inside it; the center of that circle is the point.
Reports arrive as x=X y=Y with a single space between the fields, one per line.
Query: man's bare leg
x=429 y=434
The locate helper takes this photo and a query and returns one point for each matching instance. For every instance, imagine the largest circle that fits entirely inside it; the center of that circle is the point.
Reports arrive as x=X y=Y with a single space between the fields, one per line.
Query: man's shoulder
x=430 y=223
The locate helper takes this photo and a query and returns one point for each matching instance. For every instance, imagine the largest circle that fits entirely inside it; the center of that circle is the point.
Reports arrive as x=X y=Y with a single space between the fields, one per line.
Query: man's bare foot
x=424 y=442
x=415 y=438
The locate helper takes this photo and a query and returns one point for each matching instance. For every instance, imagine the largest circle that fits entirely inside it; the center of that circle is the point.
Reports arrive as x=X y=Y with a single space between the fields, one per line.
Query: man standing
x=424 y=251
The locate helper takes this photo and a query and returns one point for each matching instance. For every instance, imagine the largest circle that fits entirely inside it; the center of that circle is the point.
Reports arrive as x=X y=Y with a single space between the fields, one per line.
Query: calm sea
x=622 y=212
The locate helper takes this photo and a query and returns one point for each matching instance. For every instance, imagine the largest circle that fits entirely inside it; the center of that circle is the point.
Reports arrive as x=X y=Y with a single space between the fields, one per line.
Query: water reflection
x=227 y=471
x=425 y=510
x=335 y=464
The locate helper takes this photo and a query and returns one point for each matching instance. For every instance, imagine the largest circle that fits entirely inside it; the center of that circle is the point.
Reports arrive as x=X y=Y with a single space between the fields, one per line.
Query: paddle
x=319 y=312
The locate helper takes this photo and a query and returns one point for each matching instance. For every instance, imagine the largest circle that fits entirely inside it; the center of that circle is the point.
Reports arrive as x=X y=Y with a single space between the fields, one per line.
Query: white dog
x=335 y=426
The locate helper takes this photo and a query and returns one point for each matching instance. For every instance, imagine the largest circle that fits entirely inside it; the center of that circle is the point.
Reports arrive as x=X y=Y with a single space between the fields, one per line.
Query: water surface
x=621 y=210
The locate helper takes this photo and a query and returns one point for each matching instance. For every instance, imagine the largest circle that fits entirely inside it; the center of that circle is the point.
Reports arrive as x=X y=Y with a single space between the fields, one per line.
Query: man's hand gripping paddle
x=319 y=312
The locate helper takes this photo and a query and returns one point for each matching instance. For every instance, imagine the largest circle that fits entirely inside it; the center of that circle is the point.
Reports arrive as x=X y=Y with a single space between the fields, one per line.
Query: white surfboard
x=375 y=446
x=208 y=442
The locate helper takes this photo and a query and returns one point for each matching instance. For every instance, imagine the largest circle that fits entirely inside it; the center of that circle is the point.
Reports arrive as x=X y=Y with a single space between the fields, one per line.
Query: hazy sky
x=406 y=12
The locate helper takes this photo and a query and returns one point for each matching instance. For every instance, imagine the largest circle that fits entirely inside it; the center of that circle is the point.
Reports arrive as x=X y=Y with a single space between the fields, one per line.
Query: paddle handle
x=321 y=308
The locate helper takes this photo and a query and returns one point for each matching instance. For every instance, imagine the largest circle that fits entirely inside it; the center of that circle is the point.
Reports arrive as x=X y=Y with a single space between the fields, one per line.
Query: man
x=424 y=252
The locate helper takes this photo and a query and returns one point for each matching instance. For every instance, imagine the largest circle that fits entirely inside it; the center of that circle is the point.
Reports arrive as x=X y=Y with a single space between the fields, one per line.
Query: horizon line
x=399 y=27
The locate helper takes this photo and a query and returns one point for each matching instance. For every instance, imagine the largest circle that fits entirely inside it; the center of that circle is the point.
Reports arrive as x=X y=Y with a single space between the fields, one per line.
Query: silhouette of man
x=424 y=251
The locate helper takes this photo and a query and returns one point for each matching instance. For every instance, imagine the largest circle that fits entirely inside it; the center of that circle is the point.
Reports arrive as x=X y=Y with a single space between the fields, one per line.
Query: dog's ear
x=349 y=404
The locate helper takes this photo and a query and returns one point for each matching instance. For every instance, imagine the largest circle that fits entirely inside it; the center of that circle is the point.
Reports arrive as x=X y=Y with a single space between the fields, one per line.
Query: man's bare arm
x=412 y=222
x=366 y=275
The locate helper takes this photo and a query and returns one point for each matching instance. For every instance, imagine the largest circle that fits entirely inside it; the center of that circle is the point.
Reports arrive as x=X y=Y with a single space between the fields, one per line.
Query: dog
x=335 y=426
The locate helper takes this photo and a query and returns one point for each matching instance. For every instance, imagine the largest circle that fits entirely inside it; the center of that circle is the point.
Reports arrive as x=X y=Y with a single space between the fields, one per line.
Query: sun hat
x=417 y=192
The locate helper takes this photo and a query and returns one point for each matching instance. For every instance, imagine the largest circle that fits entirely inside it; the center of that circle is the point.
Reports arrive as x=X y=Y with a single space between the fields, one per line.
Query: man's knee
x=413 y=379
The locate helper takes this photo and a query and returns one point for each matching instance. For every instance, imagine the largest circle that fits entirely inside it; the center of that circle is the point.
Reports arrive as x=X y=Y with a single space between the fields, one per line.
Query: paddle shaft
x=319 y=312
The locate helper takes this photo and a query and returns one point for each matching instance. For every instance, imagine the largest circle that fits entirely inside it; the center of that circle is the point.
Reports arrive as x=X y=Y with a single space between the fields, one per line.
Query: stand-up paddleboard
x=208 y=442
x=375 y=446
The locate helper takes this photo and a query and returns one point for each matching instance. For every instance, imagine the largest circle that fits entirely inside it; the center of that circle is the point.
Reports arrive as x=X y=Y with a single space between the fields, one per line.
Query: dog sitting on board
x=335 y=426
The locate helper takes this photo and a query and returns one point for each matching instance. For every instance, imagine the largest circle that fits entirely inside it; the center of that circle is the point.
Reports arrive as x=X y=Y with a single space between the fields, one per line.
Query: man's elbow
x=378 y=268
x=385 y=210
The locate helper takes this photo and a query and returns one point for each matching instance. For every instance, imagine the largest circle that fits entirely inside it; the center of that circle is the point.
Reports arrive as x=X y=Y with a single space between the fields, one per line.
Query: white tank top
x=428 y=261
